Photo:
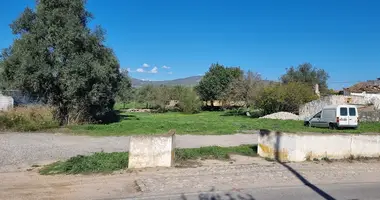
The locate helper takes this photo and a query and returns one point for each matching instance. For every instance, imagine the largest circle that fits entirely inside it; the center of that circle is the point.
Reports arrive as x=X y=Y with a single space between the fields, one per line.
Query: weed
x=214 y=152
x=270 y=159
x=32 y=118
x=96 y=163
x=326 y=159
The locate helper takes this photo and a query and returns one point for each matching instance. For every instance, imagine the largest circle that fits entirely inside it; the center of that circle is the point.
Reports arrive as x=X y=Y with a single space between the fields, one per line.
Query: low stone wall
x=315 y=106
x=152 y=151
x=308 y=146
x=369 y=116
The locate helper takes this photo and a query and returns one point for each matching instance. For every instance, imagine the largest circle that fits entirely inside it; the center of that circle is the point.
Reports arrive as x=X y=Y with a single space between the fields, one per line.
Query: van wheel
x=332 y=126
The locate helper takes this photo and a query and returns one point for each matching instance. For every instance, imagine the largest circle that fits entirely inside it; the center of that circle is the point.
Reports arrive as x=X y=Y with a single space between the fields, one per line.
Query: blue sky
x=182 y=38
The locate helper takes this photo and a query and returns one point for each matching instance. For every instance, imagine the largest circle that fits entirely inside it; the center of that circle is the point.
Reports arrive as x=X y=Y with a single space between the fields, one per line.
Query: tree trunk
x=62 y=114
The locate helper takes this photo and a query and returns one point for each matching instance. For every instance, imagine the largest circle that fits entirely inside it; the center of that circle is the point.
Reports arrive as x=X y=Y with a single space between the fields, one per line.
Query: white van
x=340 y=116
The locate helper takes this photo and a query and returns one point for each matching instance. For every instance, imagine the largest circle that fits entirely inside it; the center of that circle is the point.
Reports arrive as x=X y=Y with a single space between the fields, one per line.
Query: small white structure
x=308 y=146
x=6 y=103
x=152 y=151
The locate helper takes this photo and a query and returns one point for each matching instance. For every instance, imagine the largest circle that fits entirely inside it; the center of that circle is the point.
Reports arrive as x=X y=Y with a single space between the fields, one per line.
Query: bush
x=236 y=112
x=284 y=97
x=31 y=118
x=189 y=102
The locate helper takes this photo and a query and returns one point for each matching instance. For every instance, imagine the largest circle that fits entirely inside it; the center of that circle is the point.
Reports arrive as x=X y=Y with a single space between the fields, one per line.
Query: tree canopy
x=216 y=81
x=306 y=73
x=58 y=58
x=244 y=88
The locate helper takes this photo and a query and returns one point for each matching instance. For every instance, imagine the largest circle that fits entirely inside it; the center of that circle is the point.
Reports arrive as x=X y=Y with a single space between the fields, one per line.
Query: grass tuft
x=214 y=152
x=96 y=163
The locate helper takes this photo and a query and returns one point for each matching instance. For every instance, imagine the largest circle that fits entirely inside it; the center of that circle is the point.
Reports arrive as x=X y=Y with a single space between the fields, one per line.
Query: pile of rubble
x=282 y=116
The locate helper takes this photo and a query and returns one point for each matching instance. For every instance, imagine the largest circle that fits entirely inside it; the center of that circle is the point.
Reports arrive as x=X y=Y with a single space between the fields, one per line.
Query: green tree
x=145 y=94
x=189 y=101
x=56 y=57
x=161 y=97
x=177 y=91
x=125 y=93
x=306 y=73
x=215 y=82
x=244 y=88
x=284 y=97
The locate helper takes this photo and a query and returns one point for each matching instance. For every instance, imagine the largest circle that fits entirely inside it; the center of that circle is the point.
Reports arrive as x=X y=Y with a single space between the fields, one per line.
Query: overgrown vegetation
x=167 y=98
x=108 y=162
x=32 y=118
x=284 y=97
x=307 y=74
x=96 y=163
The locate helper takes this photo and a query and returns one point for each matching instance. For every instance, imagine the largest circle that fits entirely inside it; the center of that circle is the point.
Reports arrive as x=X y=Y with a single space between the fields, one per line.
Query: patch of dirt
x=234 y=159
x=30 y=185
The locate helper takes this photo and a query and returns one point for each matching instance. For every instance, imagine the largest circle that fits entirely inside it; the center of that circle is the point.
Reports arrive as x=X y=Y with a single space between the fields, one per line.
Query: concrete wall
x=369 y=116
x=301 y=147
x=372 y=98
x=151 y=151
x=6 y=103
x=315 y=106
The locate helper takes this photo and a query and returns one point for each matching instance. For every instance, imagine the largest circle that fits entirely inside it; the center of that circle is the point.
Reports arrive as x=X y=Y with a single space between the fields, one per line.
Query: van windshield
x=352 y=112
x=343 y=111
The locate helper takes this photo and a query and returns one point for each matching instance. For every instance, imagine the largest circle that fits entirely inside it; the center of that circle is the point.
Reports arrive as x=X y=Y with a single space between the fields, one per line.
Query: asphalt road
x=350 y=191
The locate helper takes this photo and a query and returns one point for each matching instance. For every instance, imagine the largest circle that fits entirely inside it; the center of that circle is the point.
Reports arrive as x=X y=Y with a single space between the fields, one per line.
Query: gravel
x=21 y=150
x=282 y=116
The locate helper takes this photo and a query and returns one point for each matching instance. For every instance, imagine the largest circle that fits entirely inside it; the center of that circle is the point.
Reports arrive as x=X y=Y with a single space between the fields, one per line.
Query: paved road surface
x=351 y=191
x=26 y=149
x=338 y=180
x=260 y=179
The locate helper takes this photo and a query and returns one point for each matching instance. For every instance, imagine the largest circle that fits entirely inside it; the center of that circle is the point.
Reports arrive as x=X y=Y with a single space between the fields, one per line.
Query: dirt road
x=21 y=150
x=253 y=175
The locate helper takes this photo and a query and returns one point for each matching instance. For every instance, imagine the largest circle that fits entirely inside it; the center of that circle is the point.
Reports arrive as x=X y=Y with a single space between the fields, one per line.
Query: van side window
x=318 y=115
x=352 y=111
x=343 y=111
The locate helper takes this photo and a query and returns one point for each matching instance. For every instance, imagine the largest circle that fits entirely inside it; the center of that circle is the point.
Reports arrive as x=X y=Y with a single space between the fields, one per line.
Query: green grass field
x=204 y=123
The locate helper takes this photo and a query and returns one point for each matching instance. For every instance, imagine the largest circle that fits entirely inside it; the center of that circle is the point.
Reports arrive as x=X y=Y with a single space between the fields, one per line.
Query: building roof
x=368 y=87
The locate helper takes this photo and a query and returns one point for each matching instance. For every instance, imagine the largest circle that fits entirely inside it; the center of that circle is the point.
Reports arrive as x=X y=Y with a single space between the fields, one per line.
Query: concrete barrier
x=6 y=103
x=152 y=151
x=299 y=147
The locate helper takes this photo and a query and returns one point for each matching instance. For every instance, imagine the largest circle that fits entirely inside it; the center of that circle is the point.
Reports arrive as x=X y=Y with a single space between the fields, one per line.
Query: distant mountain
x=189 y=81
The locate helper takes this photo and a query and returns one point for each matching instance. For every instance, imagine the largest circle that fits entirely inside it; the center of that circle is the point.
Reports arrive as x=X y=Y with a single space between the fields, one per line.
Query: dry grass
x=30 y=118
